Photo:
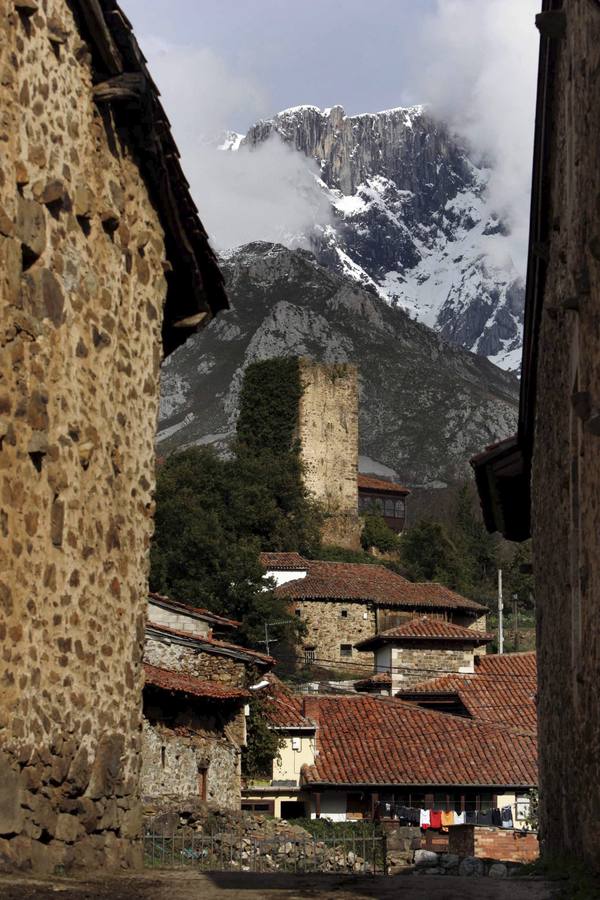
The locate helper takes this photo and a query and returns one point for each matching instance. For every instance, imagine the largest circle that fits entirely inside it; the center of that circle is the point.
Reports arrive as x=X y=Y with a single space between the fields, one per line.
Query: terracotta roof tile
x=179 y=682
x=382 y=741
x=382 y=680
x=371 y=583
x=502 y=689
x=284 y=561
x=283 y=708
x=423 y=629
x=369 y=482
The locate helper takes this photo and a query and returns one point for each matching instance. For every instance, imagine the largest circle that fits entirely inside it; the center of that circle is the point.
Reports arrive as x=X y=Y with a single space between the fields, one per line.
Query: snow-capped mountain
x=425 y=406
x=410 y=220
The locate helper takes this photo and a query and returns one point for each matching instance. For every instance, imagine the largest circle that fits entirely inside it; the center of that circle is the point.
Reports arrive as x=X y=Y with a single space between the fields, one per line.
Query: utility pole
x=267 y=641
x=500 y=610
x=515 y=598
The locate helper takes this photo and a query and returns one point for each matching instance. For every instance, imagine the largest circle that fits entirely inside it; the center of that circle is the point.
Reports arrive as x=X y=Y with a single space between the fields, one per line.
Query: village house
x=195 y=696
x=545 y=481
x=417 y=649
x=104 y=268
x=279 y=793
x=386 y=498
x=502 y=689
x=342 y=604
x=349 y=757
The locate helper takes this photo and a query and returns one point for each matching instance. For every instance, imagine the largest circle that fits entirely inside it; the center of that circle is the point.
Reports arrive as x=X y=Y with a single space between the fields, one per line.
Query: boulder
x=470 y=865
x=426 y=858
x=497 y=870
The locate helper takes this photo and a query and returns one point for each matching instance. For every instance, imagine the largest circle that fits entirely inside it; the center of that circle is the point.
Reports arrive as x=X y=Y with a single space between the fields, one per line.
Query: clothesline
x=442 y=819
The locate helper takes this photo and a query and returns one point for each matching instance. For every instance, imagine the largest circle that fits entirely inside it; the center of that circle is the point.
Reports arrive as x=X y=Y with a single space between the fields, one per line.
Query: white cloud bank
x=478 y=62
x=266 y=193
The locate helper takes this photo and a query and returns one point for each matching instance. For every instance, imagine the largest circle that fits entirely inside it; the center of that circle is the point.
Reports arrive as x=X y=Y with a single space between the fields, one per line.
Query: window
x=344 y=613
x=298 y=612
x=400 y=509
x=523 y=806
x=345 y=649
x=202 y=773
x=257 y=806
x=389 y=508
x=163 y=753
x=310 y=654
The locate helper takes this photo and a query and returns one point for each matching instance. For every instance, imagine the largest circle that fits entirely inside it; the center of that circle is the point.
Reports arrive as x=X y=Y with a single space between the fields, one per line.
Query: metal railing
x=360 y=851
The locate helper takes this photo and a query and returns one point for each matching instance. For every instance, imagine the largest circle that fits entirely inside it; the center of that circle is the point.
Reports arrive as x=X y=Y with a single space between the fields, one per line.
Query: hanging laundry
x=507 y=819
x=435 y=818
x=414 y=816
x=447 y=818
x=424 y=818
x=459 y=818
x=484 y=817
x=471 y=817
x=496 y=818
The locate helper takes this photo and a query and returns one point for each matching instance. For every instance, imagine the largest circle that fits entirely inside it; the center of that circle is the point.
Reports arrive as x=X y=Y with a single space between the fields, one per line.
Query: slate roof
x=210 y=644
x=283 y=561
x=196 y=612
x=370 y=483
x=370 y=740
x=283 y=708
x=179 y=682
x=371 y=583
x=502 y=689
x=424 y=629
x=121 y=79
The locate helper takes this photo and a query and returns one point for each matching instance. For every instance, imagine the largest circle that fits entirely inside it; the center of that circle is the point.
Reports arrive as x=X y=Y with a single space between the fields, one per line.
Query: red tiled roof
x=284 y=561
x=369 y=740
x=209 y=643
x=382 y=680
x=371 y=583
x=424 y=629
x=369 y=482
x=194 y=611
x=179 y=682
x=502 y=690
x=282 y=707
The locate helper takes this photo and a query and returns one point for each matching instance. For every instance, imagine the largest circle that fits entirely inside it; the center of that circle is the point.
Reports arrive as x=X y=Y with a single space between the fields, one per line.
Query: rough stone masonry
x=82 y=288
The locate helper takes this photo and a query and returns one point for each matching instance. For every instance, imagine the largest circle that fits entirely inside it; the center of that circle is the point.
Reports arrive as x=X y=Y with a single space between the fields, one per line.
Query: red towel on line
x=435 y=818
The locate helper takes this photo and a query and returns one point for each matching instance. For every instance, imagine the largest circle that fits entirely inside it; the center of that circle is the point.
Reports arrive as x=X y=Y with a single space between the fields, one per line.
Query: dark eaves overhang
x=503 y=471
x=390 y=785
x=217 y=648
x=126 y=94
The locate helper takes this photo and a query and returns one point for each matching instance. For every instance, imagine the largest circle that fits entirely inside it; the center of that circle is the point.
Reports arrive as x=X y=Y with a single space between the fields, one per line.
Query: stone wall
x=81 y=293
x=327 y=629
x=328 y=432
x=423 y=660
x=172 y=759
x=566 y=465
x=206 y=666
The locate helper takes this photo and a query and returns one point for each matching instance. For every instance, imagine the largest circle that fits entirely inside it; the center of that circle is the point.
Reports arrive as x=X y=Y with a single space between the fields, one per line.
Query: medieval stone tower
x=328 y=433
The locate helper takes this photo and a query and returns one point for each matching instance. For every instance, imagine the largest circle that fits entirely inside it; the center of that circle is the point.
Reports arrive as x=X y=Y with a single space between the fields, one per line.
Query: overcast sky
x=222 y=64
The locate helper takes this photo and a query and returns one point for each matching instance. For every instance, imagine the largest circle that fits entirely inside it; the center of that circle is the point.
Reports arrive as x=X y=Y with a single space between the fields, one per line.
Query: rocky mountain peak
x=411 y=220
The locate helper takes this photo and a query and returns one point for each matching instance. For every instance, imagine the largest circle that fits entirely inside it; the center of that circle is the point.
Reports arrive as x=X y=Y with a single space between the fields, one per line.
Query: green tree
x=519 y=578
x=263 y=744
x=428 y=554
x=376 y=533
x=477 y=548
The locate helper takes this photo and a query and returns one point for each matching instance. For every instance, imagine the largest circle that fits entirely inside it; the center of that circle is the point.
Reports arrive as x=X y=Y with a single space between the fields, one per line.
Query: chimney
x=310 y=709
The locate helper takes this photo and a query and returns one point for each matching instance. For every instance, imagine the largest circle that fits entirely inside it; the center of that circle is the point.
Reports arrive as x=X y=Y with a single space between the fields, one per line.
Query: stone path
x=251 y=886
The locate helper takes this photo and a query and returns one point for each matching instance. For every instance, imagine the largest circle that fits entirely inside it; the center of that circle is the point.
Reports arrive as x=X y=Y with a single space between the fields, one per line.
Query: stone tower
x=328 y=433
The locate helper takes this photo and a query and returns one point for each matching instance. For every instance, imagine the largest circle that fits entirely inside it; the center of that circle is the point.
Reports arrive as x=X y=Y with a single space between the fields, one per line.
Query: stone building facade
x=328 y=433
x=193 y=735
x=546 y=480
x=89 y=227
x=342 y=604
x=421 y=648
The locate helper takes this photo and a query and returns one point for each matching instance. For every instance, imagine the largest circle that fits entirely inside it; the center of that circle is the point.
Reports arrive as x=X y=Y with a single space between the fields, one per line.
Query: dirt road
x=250 y=886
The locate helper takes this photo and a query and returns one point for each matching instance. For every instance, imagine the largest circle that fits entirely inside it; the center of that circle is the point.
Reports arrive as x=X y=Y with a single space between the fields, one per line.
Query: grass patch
x=573 y=879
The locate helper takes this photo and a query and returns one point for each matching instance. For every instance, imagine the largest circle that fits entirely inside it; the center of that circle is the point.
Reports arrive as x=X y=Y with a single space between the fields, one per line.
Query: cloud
x=478 y=63
x=269 y=192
